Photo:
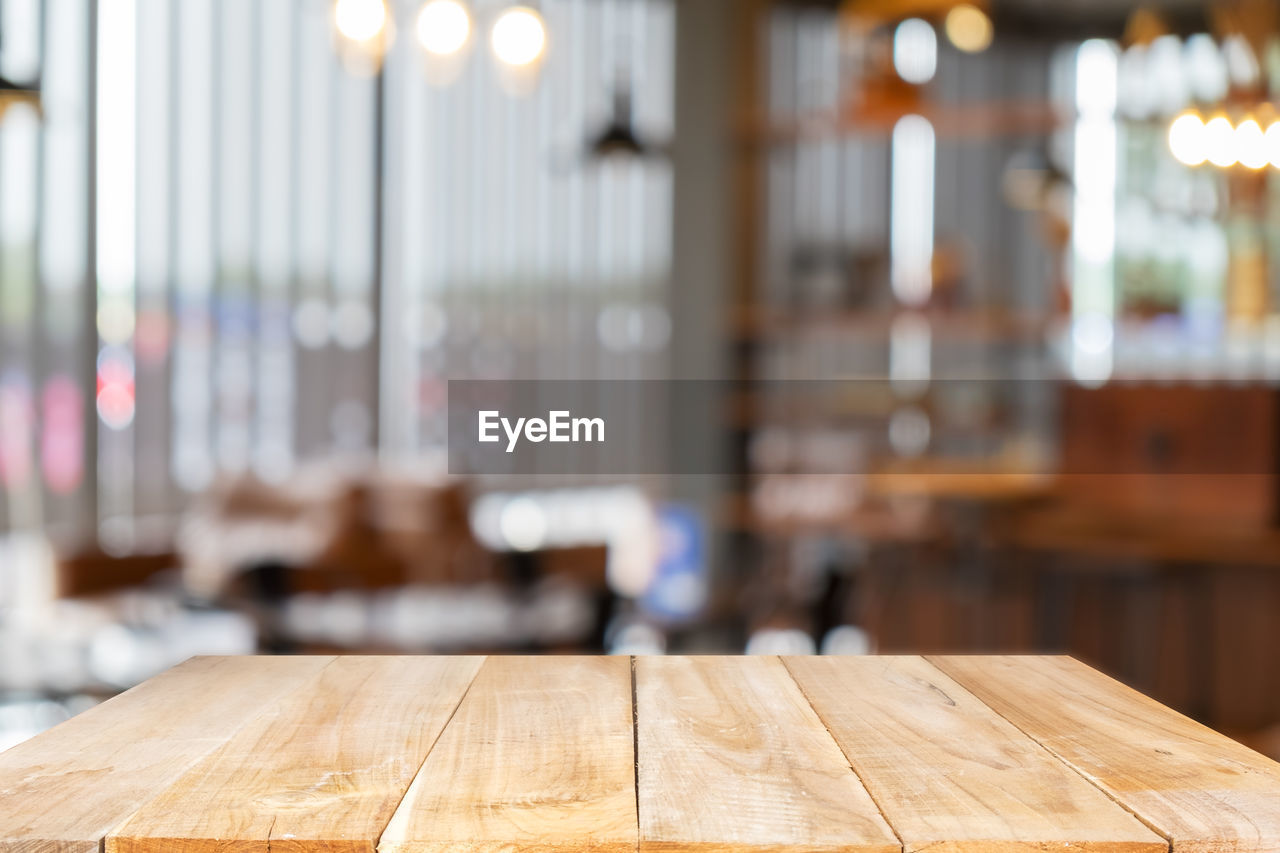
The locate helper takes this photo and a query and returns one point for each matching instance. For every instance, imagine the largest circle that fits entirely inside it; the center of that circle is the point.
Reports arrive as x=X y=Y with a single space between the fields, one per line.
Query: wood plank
x=64 y=790
x=949 y=773
x=539 y=757
x=324 y=770
x=1200 y=789
x=733 y=758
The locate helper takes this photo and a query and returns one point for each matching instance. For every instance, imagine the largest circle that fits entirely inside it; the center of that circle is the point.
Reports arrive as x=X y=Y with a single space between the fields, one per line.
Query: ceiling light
x=915 y=51
x=518 y=37
x=1220 y=142
x=1187 y=139
x=12 y=94
x=443 y=27
x=968 y=28
x=1251 y=149
x=1271 y=142
x=360 y=20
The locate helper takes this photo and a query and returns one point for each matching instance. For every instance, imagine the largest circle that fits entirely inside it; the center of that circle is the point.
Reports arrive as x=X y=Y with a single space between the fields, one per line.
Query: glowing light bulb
x=443 y=27
x=1251 y=149
x=518 y=36
x=1187 y=140
x=915 y=51
x=359 y=20
x=1220 y=142
x=968 y=28
x=1271 y=142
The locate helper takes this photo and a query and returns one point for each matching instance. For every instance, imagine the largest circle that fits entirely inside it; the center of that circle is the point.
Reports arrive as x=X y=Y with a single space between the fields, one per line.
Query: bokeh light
x=61 y=436
x=518 y=37
x=1220 y=142
x=915 y=51
x=1271 y=143
x=443 y=27
x=360 y=20
x=968 y=28
x=115 y=387
x=1187 y=139
x=1250 y=144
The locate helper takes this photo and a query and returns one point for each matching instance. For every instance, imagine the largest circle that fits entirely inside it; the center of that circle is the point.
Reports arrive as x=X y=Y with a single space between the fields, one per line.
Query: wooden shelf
x=990 y=325
x=963 y=119
x=870 y=523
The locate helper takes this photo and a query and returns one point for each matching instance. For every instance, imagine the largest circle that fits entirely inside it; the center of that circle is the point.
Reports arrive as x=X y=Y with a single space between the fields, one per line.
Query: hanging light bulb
x=1187 y=140
x=360 y=20
x=1271 y=141
x=1220 y=141
x=1251 y=149
x=968 y=28
x=915 y=51
x=12 y=94
x=443 y=27
x=518 y=37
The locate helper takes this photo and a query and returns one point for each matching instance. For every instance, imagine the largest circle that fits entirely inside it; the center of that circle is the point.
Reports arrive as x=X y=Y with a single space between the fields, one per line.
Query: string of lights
x=444 y=29
x=1194 y=141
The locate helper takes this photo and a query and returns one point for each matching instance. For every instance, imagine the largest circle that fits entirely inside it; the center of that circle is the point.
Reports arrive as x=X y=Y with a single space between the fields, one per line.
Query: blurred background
x=245 y=244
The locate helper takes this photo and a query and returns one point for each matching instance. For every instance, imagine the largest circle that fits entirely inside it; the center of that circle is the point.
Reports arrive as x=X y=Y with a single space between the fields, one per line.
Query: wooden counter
x=613 y=755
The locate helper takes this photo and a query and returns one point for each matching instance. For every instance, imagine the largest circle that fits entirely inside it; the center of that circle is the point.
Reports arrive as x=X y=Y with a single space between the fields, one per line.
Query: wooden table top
x=613 y=754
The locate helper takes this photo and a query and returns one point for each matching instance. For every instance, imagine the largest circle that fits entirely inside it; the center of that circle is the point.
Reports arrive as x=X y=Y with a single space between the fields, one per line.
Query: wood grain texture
x=1201 y=790
x=322 y=771
x=64 y=790
x=733 y=758
x=949 y=773
x=539 y=757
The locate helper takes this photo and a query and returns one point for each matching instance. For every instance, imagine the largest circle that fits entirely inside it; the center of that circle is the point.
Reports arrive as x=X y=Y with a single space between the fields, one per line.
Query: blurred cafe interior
x=989 y=291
